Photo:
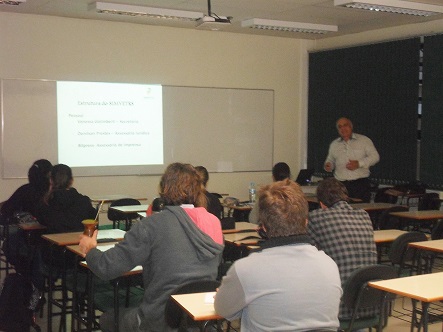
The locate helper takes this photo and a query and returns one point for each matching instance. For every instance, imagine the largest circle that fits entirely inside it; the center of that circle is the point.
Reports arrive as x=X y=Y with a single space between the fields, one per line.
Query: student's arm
x=230 y=298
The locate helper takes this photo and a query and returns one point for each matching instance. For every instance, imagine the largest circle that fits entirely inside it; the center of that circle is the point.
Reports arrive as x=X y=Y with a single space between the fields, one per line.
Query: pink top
x=207 y=222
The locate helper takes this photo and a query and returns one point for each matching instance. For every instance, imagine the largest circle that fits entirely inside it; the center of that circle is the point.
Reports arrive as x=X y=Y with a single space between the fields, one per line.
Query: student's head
x=281 y=171
x=283 y=209
x=61 y=177
x=158 y=204
x=331 y=191
x=39 y=174
x=180 y=184
x=203 y=173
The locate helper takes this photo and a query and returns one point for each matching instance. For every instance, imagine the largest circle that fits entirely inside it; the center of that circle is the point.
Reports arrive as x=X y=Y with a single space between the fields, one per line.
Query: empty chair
x=402 y=256
x=429 y=201
x=358 y=295
x=437 y=231
x=116 y=216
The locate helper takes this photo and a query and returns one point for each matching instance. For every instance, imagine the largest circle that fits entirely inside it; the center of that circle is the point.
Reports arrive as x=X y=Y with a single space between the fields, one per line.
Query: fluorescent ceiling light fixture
x=131 y=10
x=10 y=2
x=392 y=6
x=259 y=23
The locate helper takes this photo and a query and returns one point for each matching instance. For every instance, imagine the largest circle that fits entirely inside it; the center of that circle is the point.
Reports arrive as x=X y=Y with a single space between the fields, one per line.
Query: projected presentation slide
x=103 y=124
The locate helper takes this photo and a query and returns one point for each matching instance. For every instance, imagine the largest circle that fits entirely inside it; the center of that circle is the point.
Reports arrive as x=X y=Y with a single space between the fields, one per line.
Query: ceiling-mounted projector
x=213 y=22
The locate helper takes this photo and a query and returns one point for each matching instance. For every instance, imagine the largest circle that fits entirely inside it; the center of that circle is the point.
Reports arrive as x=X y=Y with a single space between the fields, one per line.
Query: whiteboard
x=223 y=129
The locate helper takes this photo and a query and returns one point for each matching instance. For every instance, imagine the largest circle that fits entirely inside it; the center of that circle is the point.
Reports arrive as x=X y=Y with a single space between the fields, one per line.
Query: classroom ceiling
x=307 y=11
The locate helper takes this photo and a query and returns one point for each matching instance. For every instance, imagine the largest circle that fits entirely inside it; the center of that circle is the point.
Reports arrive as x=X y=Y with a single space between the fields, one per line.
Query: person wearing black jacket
x=213 y=203
x=66 y=207
x=31 y=195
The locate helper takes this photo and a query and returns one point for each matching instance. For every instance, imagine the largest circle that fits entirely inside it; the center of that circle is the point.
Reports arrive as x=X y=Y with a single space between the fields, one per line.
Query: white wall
x=40 y=47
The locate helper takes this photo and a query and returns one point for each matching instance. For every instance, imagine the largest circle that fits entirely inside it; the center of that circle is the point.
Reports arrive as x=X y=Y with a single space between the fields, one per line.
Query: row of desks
x=238 y=238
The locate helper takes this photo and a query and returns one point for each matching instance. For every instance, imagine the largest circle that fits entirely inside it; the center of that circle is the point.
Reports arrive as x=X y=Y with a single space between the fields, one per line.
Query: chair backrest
x=387 y=221
x=429 y=201
x=114 y=215
x=356 y=292
x=173 y=312
x=400 y=252
x=382 y=196
x=437 y=231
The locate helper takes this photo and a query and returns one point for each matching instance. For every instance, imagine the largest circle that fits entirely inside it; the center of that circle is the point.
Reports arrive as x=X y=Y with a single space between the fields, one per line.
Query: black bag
x=15 y=303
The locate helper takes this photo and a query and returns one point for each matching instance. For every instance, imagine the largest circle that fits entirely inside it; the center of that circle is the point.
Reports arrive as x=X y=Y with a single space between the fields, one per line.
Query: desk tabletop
x=241 y=226
x=376 y=206
x=387 y=235
x=419 y=215
x=241 y=207
x=103 y=247
x=32 y=226
x=424 y=287
x=197 y=305
x=112 y=198
x=130 y=208
x=240 y=238
x=65 y=239
x=433 y=245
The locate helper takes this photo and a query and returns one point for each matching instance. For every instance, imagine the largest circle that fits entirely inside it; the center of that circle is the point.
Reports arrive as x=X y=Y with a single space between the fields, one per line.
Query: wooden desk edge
x=214 y=316
x=402 y=293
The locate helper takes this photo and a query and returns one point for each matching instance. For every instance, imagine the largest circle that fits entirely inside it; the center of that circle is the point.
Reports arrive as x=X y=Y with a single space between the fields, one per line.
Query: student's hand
x=87 y=243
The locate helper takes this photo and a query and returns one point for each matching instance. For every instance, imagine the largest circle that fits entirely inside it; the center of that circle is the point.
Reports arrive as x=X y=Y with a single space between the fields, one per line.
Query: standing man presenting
x=350 y=157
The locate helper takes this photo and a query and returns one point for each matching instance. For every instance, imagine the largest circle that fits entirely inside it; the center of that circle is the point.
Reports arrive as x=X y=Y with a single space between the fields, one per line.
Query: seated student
x=342 y=232
x=30 y=196
x=214 y=206
x=183 y=243
x=27 y=198
x=289 y=285
x=280 y=171
x=156 y=206
x=66 y=207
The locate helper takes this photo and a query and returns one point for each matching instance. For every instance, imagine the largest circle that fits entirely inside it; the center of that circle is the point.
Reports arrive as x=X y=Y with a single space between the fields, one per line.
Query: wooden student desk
x=373 y=207
x=130 y=208
x=417 y=217
x=426 y=288
x=387 y=235
x=435 y=246
x=77 y=319
x=198 y=306
x=242 y=226
x=61 y=240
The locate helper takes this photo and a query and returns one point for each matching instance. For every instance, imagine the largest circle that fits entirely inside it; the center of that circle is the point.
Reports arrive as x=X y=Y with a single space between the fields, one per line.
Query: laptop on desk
x=304 y=176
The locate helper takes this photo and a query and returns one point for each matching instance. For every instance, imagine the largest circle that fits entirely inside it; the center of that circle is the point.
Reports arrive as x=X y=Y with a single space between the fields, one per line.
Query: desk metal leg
x=50 y=290
x=91 y=307
x=425 y=315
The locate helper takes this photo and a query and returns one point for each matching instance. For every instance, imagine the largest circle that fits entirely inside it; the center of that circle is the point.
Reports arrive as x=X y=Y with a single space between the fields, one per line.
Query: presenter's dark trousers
x=360 y=188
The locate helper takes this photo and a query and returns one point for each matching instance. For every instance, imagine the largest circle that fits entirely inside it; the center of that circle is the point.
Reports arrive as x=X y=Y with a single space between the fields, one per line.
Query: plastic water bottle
x=252 y=192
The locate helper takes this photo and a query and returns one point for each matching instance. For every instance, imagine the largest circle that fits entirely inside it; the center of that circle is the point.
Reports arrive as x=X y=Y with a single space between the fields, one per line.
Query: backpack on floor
x=15 y=298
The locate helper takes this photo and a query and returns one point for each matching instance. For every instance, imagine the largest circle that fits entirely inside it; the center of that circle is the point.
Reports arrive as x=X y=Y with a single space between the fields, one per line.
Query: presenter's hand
x=87 y=243
x=328 y=167
x=352 y=165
